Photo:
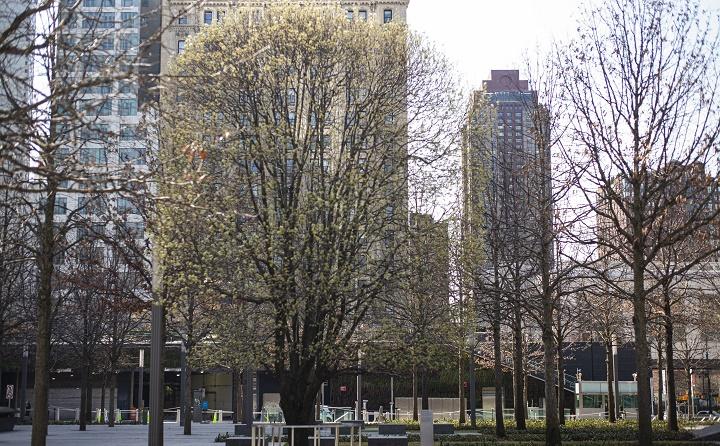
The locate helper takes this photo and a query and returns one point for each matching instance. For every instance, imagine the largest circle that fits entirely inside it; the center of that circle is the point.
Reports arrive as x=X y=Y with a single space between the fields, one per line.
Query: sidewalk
x=123 y=435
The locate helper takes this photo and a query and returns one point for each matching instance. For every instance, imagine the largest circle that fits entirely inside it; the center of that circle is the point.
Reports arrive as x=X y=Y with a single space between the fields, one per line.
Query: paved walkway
x=124 y=435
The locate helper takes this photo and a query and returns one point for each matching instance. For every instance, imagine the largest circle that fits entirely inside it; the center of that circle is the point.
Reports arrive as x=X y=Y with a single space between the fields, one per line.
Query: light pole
x=358 y=384
x=616 y=380
x=471 y=390
x=155 y=437
x=23 y=381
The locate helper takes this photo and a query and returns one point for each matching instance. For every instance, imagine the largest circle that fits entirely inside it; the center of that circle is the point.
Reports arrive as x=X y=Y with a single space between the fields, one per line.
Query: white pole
x=392 y=397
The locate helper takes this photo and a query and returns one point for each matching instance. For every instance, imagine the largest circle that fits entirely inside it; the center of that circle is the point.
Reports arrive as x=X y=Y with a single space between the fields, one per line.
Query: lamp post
x=155 y=437
x=23 y=381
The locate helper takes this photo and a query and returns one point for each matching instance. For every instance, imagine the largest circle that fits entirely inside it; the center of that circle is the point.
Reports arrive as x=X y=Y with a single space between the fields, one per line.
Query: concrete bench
x=238 y=441
x=387 y=440
x=242 y=430
x=347 y=425
x=443 y=429
x=391 y=429
x=7 y=419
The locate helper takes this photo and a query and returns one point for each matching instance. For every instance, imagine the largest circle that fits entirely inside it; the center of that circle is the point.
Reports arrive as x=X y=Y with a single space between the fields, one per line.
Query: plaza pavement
x=123 y=435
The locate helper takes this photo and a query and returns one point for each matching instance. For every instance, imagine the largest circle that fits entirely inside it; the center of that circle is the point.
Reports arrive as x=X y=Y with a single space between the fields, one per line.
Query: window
x=129 y=41
x=91 y=230
x=107 y=43
x=129 y=3
x=107 y=20
x=207 y=17
x=182 y=20
x=389 y=211
x=134 y=229
x=104 y=109
x=387 y=16
x=93 y=155
x=127 y=87
x=133 y=155
x=180 y=46
x=90 y=3
x=127 y=107
x=350 y=14
x=108 y=3
x=220 y=16
x=104 y=89
x=60 y=205
x=291 y=97
x=129 y=19
x=362 y=14
x=127 y=132
x=126 y=206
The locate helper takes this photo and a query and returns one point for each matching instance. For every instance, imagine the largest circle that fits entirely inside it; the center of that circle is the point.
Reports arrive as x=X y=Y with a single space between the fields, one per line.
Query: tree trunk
x=88 y=397
x=42 y=335
x=691 y=402
x=414 y=392
x=83 y=396
x=642 y=349
x=552 y=424
x=297 y=401
x=113 y=386
x=610 y=364
x=102 y=397
x=661 y=409
x=670 y=367
x=497 y=358
x=561 y=384
x=424 y=390
x=461 y=388
x=518 y=372
x=234 y=398
x=187 y=404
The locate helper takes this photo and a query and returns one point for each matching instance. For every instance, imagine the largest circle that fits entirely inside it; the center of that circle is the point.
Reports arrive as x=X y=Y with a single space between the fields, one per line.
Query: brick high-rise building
x=502 y=173
x=182 y=18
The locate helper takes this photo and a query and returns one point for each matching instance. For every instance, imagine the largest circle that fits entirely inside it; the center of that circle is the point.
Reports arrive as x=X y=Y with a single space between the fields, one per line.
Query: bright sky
x=480 y=35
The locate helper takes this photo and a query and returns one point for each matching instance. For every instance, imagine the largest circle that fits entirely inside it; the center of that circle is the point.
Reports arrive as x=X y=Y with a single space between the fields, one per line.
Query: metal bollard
x=177 y=416
x=77 y=415
x=57 y=414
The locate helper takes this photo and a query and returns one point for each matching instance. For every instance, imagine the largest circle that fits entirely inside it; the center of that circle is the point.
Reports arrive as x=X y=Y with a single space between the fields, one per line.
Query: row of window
x=125 y=107
x=110 y=3
x=102 y=133
x=208 y=16
x=127 y=87
x=108 y=20
x=94 y=206
x=363 y=15
x=98 y=155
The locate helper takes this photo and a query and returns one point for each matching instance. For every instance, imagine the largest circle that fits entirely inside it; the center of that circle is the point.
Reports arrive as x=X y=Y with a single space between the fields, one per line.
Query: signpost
x=9 y=392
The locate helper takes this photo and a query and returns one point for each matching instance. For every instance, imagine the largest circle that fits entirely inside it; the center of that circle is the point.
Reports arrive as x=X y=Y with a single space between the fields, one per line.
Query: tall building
x=502 y=172
x=182 y=18
x=104 y=140
x=689 y=186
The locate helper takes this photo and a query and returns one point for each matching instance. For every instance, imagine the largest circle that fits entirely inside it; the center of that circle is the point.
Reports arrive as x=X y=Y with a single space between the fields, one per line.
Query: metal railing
x=270 y=434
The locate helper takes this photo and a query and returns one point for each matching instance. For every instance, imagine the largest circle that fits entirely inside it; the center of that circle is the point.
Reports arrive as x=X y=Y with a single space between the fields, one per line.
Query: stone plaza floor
x=123 y=435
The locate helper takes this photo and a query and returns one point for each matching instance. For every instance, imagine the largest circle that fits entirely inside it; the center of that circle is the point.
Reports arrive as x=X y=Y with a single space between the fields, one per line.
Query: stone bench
x=387 y=440
x=238 y=441
x=356 y=425
x=443 y=429
x=391 y=429
x=7 y=419
x=242 y=430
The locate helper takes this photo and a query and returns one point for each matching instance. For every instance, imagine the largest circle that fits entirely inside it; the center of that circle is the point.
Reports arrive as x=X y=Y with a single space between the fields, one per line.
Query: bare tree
x=643 y=98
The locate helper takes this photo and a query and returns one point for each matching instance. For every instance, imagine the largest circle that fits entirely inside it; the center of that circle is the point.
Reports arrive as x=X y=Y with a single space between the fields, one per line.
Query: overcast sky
x=480 y=35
